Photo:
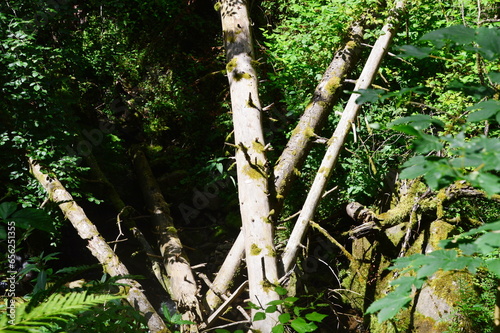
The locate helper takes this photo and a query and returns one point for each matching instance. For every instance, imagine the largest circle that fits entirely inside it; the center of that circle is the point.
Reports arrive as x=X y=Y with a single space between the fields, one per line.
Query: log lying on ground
x=97 y=245
x=338 y=138
x=224 y=278
x=181 y=283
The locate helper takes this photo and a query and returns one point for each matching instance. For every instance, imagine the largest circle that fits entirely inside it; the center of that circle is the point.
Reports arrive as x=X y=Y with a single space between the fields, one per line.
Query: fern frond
x=57 y=308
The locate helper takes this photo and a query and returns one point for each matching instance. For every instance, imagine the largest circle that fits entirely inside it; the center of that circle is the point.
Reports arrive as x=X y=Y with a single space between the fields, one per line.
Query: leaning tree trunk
x=181 y=284
x=124 y=214
x=251 y=163
x=338 y=138
x=297 y=148
x=316 y=112
x=97 y=245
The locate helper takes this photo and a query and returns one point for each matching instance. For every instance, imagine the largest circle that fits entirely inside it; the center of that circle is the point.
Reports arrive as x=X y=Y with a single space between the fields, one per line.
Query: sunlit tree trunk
x=181 y=283
x=98 y=245
x=338 y=138
x=252 y=168
x=298 y=146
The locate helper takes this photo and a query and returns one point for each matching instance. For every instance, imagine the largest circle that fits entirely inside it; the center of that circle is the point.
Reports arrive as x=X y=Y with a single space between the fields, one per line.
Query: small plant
x=58 y=309
x=476 y=304
x=301 y=319
x=173 y=319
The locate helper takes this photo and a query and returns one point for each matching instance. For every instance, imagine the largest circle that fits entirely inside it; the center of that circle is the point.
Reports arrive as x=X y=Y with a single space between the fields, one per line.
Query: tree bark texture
x=338 y=138
x=181 y=284
x=97 y=245
x=251 y=163
x=224 y=278
x=316 y=112
x=297 y=148
x=124 y=214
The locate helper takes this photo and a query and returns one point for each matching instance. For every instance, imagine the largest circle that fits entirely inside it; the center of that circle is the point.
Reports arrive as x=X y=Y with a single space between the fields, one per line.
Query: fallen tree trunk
x=417 y=200
x=97 y=245
x=181 y=283
x=338 y=138
x=224 y=278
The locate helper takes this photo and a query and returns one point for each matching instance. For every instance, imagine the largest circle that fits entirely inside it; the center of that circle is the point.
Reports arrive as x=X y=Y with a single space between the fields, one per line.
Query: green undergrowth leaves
x=443 y=157
x=302 y=319
x=483 y=40
x=468 y=251
x=58 y=308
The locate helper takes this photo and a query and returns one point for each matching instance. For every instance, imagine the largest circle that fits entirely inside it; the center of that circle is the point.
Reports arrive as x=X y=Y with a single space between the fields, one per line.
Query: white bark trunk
x=296 y=149
x=252 y=169
x=181 y=284
x=338 y=138
x=98 y=246
x=225 y=276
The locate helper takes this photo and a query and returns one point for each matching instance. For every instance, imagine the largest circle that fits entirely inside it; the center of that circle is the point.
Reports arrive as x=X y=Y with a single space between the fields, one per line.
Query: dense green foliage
x=473 y=158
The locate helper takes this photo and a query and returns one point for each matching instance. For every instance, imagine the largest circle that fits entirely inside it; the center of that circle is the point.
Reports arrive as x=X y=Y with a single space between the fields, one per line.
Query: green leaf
x=276 y=302
x=490 y=183
x=389 y=306
x=407 y=51
x=418 y=121
x=281 y=291
x=280 y=328
x=494 y=77
x=301 y=326
x=414 y=168
x=315 y=316
x=259 y=316
x=284 y=318
x=6 y=209
x=486 y=110
x=487 y=39
x=477 y=91
x=494 y=266
x=407 y=129
x=33 y=217
x=458 y=34
x=253 y=306
x=425 y=143
x=405 y=284
x=369 y=95
x=488 y=242
x=291 y=300
x=271 y=309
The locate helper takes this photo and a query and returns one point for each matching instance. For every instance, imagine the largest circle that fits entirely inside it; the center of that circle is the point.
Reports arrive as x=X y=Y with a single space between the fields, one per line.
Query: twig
x=119 y=224
x=290 y=217
x=331 y=239
x=331 y=269
x=329 y=191
x=224 y=305
x=227 y=325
